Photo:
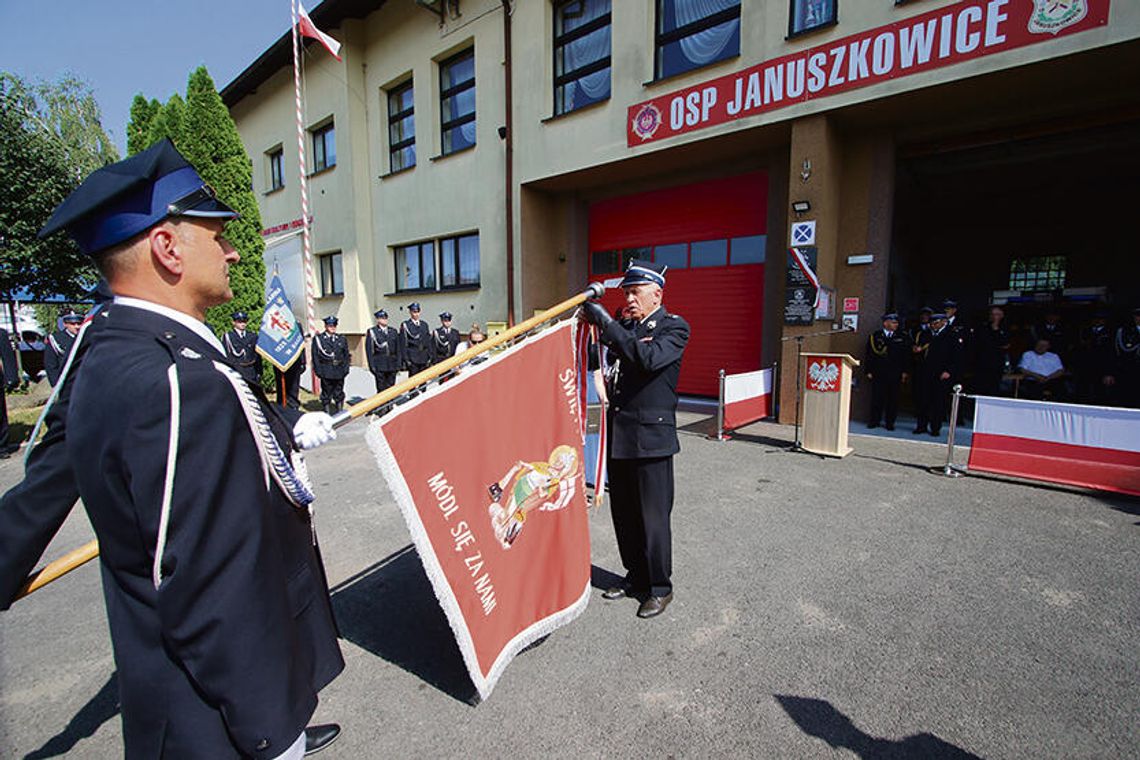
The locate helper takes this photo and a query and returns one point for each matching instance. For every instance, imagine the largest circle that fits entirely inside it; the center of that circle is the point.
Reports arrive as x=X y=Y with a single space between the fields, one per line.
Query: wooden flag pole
x=90 y=551
x=59 y=568
x=596 y=290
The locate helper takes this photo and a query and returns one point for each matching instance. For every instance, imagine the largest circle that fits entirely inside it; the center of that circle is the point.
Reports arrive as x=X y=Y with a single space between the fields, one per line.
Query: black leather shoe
x=936 y=433
x=889 y=427
x=654 y=606
x=319 y=737
x=918 y=430
x=616 y=592
x=872 y=425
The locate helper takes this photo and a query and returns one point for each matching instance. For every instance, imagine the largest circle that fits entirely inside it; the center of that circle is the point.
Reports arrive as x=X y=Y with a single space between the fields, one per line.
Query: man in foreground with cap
x=58 y=346
x=382 y=344
x=887 y=359
x=330 y=361
x=415 y=342
x=216 y=597
x=642 y=420
x=445 y=338
x=241 y=348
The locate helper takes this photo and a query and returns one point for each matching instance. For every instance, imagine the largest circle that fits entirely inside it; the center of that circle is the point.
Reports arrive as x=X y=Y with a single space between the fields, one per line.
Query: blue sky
x=122 y=47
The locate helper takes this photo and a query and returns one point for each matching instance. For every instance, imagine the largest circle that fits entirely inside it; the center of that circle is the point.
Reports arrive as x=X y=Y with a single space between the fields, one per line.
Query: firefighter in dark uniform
x=241 y=348
x=9 y=379
x=941 y=369
x=1128 y=362
x=59 y=344
x=382 y=344
x=1096 y=362
x=887 y=362
x=642 y=391
x=919 y=344
x=292 y=380
x=991 y=353
x=445 y=338
x=331 y=362
x=415 y=342
x=217 y=602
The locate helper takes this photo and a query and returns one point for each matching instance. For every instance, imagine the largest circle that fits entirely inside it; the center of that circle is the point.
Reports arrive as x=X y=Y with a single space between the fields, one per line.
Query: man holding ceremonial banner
x=642 y=422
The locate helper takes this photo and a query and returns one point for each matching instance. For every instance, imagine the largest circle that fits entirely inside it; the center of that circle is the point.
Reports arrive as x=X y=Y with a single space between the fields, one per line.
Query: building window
x=459 y=261
x=674 y=255
x=581 y=53
x=332 y=274
x=401 y=128
x=806 y=15
x=276 y=169
x=457 y=101
x=695 y=33
x=324 y=147
x=415 y=266
x=748 y=250
x=1038 y=273
x=709 y=253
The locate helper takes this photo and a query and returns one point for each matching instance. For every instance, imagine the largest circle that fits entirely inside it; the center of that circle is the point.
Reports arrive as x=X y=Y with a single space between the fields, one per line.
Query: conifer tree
x=210 y=141
x=143 y=112
x=168 y=121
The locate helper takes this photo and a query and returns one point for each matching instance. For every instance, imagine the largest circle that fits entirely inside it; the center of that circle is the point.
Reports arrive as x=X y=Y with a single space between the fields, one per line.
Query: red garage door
x=712 y=236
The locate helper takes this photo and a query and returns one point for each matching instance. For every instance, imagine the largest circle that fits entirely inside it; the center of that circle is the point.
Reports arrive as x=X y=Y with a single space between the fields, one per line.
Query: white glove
x=313 y=429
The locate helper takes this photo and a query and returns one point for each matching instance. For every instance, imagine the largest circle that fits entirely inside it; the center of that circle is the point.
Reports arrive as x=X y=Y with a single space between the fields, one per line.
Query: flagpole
x=306 y=236
x=595 y=290
x=90 y=551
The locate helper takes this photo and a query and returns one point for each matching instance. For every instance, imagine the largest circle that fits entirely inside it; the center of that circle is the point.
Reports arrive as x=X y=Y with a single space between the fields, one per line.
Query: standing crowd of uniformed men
x=1096 y=365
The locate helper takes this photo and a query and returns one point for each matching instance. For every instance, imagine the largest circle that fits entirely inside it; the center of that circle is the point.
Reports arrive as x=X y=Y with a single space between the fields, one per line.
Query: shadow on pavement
x=603 y=579
x=419 y=639
x=98 y=710
x=818 y=718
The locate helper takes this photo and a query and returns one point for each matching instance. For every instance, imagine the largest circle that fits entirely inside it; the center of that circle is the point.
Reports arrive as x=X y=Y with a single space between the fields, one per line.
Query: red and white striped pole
x=306 y=240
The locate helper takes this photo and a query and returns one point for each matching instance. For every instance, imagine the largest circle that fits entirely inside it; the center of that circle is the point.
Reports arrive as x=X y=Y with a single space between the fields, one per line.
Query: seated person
x=1043 y=372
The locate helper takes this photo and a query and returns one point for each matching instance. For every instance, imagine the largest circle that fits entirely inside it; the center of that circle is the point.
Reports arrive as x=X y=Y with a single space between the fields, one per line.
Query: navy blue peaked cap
x=121 y=200
x=380 y=313
x=641 y=271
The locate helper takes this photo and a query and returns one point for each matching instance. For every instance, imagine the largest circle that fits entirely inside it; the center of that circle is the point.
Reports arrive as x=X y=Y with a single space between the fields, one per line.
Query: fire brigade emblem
x=646 y=122
x=1051 y=16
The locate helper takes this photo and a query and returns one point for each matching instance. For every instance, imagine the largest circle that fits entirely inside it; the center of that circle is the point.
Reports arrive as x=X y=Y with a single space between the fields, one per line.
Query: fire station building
x=489 y=158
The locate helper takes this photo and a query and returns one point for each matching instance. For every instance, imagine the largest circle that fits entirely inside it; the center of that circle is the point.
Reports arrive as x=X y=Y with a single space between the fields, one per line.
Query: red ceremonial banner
x=488 y=471
x=944 y=36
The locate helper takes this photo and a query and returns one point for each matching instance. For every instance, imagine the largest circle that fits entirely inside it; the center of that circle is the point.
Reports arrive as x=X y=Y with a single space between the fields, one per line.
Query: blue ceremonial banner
x=280 y=339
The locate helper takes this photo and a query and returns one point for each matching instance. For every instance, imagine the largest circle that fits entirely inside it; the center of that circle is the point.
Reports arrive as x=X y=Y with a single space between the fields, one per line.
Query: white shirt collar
x=647 y=316
x=199 y=328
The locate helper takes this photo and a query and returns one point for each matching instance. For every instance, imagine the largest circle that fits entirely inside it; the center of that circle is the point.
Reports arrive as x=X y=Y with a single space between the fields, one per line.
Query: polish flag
x=747 y=397
x=1091 y=446
x=308 y=29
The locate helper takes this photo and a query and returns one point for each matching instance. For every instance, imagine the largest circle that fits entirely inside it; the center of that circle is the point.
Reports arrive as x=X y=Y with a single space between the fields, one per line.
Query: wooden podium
x=826 y=403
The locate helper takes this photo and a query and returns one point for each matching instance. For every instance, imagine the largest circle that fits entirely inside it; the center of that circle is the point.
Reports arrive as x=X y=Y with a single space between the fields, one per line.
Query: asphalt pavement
x=824 y=608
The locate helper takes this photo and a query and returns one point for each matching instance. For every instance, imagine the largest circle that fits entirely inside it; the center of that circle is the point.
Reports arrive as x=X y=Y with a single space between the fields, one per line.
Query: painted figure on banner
x=382 y=345
x=445 y=339
x=415 y=342
x=331 y=363
x=58 y=346
x=220 y=619
x=241 y=348
x=546 y=486
x=887 y=363
x=642 y=423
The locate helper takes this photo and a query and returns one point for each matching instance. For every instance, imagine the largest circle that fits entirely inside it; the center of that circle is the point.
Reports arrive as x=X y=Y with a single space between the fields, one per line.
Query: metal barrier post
x=720 y=410
x=949 y=470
